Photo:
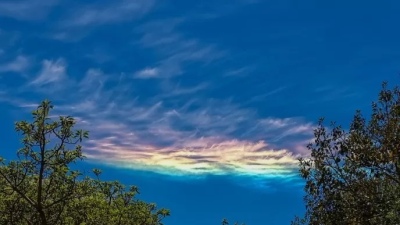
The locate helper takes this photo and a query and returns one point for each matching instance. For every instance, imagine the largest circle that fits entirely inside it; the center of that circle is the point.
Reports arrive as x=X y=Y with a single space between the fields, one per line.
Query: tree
x=41 y=188
x=353 y=177
x=225 y=222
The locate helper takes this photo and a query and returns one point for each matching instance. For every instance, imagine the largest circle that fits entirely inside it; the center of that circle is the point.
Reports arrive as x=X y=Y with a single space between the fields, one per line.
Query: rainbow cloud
x=195 y=137
x=201 y=156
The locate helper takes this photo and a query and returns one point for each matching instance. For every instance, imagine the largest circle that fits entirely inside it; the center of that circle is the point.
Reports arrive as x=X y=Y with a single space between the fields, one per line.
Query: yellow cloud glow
x=199 y=156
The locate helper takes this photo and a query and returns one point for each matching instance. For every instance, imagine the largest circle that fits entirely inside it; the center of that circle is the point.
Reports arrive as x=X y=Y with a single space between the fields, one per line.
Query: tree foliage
x=40 y=187
x=226 y=222
x=353 y=177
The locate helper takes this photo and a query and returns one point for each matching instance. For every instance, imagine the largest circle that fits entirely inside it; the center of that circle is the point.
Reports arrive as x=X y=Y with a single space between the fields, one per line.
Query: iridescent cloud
x=203 y=156
x=197 y=137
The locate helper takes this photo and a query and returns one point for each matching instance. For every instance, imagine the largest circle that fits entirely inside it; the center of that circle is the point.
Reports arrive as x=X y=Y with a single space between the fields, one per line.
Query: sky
x=205 y=105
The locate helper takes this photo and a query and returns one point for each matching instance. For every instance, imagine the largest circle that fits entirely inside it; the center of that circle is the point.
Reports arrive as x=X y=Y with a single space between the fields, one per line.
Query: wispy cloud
x=18 y=65
x=113 y=11
x=176 y=90
x=286 y=127
x=170 y=127
x=262 y=97
x=26 y=9
x=243 y=71
x=198 y=136
x=80 y=18
x=173 y=47
x=334 y=93
x=93 y=79
x=214 y=9
x=51 y=72
x=147 y=73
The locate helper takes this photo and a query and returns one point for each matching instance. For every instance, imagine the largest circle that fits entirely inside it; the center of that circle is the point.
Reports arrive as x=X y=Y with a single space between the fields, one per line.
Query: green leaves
x=353 y=177
x=97 y=172
x=41 y=188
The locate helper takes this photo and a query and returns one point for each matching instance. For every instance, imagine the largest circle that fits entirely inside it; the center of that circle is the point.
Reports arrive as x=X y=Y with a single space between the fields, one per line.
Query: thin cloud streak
x=26 y=9
x=114 y=11
x=19 y=65
x=81 y=18
x=147 y=73
x=174 y=49
x=52 y=72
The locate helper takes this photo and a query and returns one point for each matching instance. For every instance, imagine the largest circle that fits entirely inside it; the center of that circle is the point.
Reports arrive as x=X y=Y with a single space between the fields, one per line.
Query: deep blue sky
x=205 y=105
